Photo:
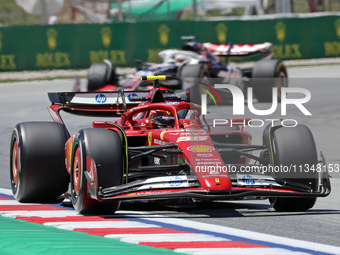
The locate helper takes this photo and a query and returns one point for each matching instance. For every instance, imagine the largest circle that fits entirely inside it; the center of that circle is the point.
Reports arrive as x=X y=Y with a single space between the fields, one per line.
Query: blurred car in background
x=199 y=61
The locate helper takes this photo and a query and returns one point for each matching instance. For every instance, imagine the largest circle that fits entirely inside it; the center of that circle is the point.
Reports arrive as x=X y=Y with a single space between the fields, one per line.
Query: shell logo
x=200 y=148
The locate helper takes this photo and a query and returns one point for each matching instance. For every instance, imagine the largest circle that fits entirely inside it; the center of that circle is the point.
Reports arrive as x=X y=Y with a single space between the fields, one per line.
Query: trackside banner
x=75 y=46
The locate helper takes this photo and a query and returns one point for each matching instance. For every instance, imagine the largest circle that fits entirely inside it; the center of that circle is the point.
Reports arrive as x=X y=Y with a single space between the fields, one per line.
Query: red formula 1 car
x=160 y=148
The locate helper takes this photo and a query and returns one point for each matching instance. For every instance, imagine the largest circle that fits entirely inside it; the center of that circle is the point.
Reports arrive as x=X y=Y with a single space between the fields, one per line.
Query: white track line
x=137 y=214
x=13 y=202
x=6 y=192
x=43 y=214
x=239 y=251
x=250 y=235
x=150 y=221
x=185 y=237
x=100 y=224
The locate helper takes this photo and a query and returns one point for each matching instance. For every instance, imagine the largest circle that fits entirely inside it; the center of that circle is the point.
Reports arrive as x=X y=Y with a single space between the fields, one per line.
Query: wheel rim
x=76 y=171
x=15 y=164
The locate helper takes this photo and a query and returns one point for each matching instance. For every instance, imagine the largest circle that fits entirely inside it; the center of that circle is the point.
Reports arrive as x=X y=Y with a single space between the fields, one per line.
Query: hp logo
x=100 y=98
x=175 y=181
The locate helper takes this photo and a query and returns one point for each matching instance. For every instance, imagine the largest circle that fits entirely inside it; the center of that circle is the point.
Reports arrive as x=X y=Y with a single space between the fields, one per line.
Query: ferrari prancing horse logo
x=149 y=138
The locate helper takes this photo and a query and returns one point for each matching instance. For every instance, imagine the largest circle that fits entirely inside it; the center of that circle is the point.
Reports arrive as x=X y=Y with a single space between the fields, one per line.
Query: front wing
x=159 y=188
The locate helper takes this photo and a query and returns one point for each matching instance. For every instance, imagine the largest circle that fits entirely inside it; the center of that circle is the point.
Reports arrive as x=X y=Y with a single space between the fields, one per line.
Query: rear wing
x=109 y=103
x=94 y=99
x=238 y=49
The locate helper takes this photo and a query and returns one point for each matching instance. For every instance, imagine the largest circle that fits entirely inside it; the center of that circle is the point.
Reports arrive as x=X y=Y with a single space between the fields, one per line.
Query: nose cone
x=216 y=183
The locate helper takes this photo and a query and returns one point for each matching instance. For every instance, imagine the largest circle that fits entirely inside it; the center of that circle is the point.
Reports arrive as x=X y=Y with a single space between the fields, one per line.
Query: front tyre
x=296 y=204
x=295 y=146
x=105 y=149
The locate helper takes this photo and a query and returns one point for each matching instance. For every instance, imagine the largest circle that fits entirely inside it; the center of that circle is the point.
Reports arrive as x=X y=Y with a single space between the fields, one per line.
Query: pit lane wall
x=75 y=46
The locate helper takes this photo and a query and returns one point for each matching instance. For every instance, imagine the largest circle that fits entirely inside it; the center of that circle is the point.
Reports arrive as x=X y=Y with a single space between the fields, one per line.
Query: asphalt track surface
x=25 y=101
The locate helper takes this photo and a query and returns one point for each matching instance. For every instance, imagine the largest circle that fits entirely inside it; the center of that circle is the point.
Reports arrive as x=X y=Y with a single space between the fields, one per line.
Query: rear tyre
x=268 y=74
x=100 y=75
x=104 y=147
x=96 y=77
x=295 y=146
x=37 y=164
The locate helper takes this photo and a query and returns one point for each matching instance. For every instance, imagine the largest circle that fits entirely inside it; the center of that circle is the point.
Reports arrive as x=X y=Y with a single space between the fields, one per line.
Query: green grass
x=20 y=237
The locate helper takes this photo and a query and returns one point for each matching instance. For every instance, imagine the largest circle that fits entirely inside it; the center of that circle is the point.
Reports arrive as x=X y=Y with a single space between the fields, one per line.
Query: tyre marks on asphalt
x=172 y=234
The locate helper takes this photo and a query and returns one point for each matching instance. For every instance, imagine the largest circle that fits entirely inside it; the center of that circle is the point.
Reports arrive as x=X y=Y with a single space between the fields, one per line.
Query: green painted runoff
x=20 y=237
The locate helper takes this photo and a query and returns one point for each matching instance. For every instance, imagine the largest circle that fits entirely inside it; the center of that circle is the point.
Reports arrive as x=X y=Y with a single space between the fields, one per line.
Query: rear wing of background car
x=238 y=49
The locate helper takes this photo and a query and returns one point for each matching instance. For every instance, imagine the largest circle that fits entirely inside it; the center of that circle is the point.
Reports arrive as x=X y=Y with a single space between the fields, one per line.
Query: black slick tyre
x=105 y=149
x=96 y=77
x=295 y=146
x=100 y=75
x=267 y=74
x=37 y=164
